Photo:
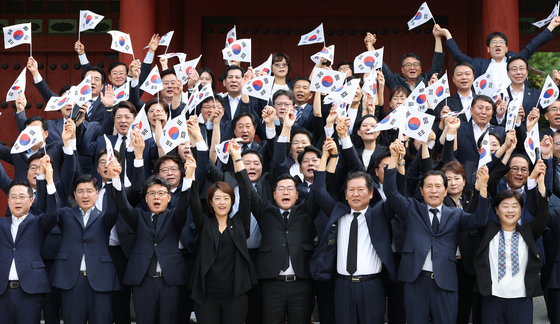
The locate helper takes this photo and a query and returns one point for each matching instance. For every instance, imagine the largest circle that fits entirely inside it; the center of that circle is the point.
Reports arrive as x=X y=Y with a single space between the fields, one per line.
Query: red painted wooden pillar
x=137 y=19
x=502 y=16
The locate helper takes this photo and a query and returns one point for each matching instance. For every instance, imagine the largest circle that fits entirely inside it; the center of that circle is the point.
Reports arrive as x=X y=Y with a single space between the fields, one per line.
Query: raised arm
x=398 y=202
x=180 y=213
x=541 y=217
x=480 y=216
x=49 y=219
x=128 y=213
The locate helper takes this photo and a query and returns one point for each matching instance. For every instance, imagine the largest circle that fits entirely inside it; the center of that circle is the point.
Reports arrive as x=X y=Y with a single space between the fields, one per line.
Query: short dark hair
x=167 y=72
x=283 y=92
x=496 y=34
x=215 y=98
x=485 y=99
x=299 y=78
x=113 y=65
x=283 y=176
x=64 y=89
x=21 y=183
x=85 y=178
x=462 y=63
x=515 y=155
x=44 y=122
x=481 y=138
x=384 y=155
x=156 y=180
x=244 y=114
x=396 y=90
x=252 y=151
x=154 y=101
x=505 y=194
x=515 y=58
x=95 y=69
x=207 y=70
x=104 y=151
x=433 y=173
x=455 y=167
x=165 y=158
x=301 y=130
x=37 y=156
x=360 y=120
x=233 y=67
x=224 y=187
x=346 y=62
x=309 y=148
x=413 y=55
x=124 y=105
x=363 y=175
x=278 y=57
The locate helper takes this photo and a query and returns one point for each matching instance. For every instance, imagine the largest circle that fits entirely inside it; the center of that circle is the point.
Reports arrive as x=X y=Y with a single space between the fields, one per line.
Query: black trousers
x=394 y=291
x=254 y=296
x=155 y=301
x=121 y=298
x=83 y=304
x=467 y=300
x=52 y=303
x=496 y=310
x=185 y=300
x=19 y=307
x=222 y=311
x=324 y=291
x=292 y=299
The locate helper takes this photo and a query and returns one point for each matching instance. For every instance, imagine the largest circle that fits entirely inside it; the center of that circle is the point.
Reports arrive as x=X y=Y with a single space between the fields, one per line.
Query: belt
x=83 y=273
x=360 y=278
x=289 y=278
x=13 y=284
x=157 y=274
x=427 y=274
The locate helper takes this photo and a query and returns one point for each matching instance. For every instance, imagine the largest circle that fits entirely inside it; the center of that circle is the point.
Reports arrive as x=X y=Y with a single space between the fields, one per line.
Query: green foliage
x=546 y=62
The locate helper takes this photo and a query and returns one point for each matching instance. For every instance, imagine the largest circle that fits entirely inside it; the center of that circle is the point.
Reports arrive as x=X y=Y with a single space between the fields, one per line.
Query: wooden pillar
x=502 y=16
x=137 y=19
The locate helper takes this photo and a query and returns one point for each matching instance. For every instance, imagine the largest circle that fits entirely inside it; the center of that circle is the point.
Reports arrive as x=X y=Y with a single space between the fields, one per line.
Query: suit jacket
x=529 y=232
x=530 y=100
x=395 y=79
x=420 y=238
x=244 y=275
x=19 y=160
x=26 y=249
x=467 y=149
x=306 y=120
x=481 y=64
x=163 y=241
x=378 y=219
x=90 y=239
x=226 y=128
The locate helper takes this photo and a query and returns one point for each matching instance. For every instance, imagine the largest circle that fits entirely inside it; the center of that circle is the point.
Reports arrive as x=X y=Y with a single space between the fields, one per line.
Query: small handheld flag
x=326 y=81
x=110 y=153
x=417 y=124
x=183 y=69
x=547 y=20
x=182 y=56
x=260 y=87
x=313 y=37
x=174 y=133
x=57 y=103
x=141 y=122
x=344 y=94
x=121 y=42
x=549 y=93
x=231 y=37
x=422 y=16
x=438 y=91
x=30 y=136
x=418 y=97
x=266 y=67
x=16 y=35
x=326 y=52
x=484 y=153
x=88 y=20
x=239 y=50
x=370 y=85
x=153 y=82
x=390 y=121
x=485 y=85
x=122 y=93
x=222 y=151
x=198 y=96
x=82 y=92
x=512 y=113
x=165 y=40
x=368 y=61
x=18 y=87
x=532 y=143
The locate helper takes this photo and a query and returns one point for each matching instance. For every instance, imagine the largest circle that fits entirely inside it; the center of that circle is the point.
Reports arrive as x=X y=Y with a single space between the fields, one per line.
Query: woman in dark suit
x=223 y=270
x=507 y=262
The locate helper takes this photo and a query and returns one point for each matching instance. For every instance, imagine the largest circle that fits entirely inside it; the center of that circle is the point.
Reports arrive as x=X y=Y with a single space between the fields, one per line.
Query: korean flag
x=438 y=91
x=183 y=69
x=18 y=87
x=390 y=121
x=141 y=122
x=422 y=16
x=368 y=61
x=260 y=87
x=174 y=133
x=88 y=20
x=153 y=82
x=121 y=42
x=315 y=36
x=239 y=50
x=326 y=52
x=484 y=152
x=57 y=103
x=326 y=81
x=549 y=93
x=417 y=124
x=231 y=37
x=266 y=67
x=16 y=35
x=30 y=136
x=82 y=92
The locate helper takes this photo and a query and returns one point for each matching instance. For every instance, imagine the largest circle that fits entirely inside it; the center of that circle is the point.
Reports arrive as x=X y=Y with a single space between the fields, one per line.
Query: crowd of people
x=309 y=208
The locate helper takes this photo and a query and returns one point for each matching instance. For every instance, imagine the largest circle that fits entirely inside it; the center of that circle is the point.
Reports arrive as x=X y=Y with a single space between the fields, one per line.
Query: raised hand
x=342 y=126
x=109 y=97
x=114 y=170
x=193 y=78
x=79 y=48
x=546 y=146
x=138 y=143
x=32 y=67
x=154 y=43
x=21 y=102
x=190 y=167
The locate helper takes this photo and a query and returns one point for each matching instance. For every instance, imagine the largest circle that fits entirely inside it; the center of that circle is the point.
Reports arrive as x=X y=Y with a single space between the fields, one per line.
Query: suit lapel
x=148 y=219
x=95 y=213
x=445 y=214
x=227 y=109
x=78 y=215
x=22 y=227
x=160 y=220
x=426 y=217
x=7 y=228
x=470 y=134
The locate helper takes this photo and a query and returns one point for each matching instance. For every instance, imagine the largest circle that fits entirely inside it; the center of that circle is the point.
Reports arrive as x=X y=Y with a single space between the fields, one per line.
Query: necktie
x=122 y=152
x=435 y=221
x=501 y=256
x=299 y=113
x=309 y=187
x=154 y=220
x=286 y=262
x=244 y=147
x=153 y=263
x=90 y=108
x=352 y=258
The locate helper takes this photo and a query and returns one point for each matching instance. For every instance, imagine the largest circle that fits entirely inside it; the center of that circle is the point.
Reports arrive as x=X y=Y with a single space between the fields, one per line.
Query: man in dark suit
x=470 y=132
x=156 y=267
x=552 y=114
x=428 y=265
x=23 y=277
x=84 y=269
x=357 y=243
x=497 y=48
x=462 y=76
x=234 y=81
x=19 y=160
x=411 y=66
x=302 y=108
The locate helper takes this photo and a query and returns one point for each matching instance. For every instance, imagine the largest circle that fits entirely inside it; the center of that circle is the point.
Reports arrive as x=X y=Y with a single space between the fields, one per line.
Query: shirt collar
x=16 y=220
x=362 y=212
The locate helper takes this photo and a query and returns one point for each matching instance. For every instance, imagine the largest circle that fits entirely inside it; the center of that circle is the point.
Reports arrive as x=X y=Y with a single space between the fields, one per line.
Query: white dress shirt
x=467 y=102
x=14 y=229
x=428 y=265
x=509 y=286
x=233 y=103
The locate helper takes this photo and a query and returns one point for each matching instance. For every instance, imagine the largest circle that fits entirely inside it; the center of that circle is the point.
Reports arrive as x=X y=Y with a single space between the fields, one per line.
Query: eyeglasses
x=343 y=68
x=161 y=193
x=557 y=144
x=20 y=197
x=88 y=192
x=517 y=170
x=118 y=74
x=166 y=170
x=520 y=69
x=282 y=189
x=496 y=42
x=554 y=110
x=283 y=104
x=409 y=65
x=33 y=168
x=280 y=65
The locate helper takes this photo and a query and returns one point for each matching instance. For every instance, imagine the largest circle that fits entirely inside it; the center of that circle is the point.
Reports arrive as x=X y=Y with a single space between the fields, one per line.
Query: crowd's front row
x=351 y=263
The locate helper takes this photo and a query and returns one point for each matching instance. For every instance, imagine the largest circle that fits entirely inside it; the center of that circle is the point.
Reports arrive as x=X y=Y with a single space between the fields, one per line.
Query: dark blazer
x=466 y=145
x=26 y=249
x=395 y=79
x=19 y=160
x=529 y=231
x=92 y=239
x=306 y=120
x=420 y=238
x=530 y=100
x=554 y=224
x=226 y=128
x=481 y=64
x=323 y=262
x=163 y=241
x=244 y=275
x=454 y=103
